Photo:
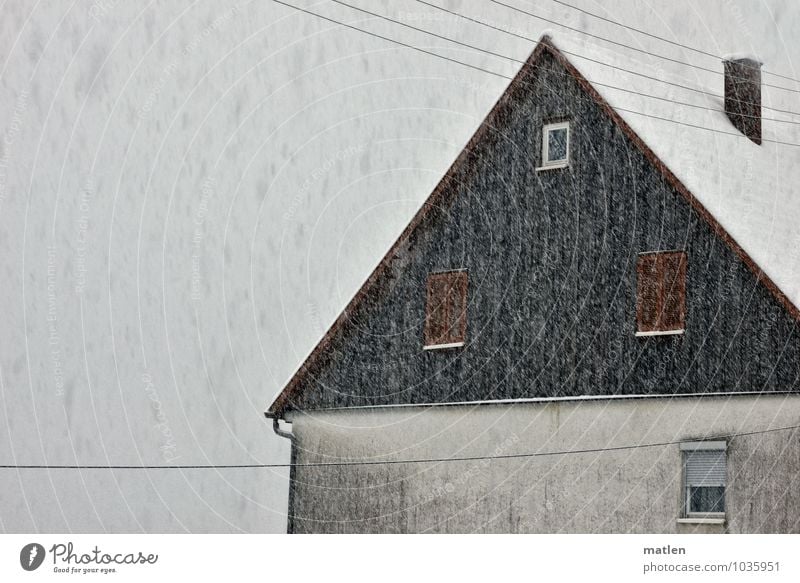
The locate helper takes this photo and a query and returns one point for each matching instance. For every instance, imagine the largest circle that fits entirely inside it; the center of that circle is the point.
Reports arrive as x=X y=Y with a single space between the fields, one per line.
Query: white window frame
x=700 y=517
x=442 y=346
x=548 y=164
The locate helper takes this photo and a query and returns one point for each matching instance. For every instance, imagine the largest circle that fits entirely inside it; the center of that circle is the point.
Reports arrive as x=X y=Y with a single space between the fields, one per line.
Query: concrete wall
x=629 y=490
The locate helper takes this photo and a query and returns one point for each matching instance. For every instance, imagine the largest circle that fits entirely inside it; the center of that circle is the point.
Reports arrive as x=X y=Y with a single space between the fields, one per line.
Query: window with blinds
x=661 y=293
x=704 y=476
x=446 y=310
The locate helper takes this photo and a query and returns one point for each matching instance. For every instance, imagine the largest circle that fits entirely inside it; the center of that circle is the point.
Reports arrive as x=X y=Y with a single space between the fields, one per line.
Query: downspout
x=292 y=463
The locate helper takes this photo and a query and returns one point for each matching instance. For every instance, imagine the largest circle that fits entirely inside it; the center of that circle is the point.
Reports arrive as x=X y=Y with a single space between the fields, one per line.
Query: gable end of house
x=546 y=69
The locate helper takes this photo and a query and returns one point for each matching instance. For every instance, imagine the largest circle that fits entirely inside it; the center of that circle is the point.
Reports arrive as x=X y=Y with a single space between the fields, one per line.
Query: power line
x=422 y=30
x=515 y=60
x=631 y=47
x=431 y=53
x=691 y=125
x=590 y=59
x=391 y=40
x=640 y=31
x=661 y=38
x=398 y=462
x=696 y=106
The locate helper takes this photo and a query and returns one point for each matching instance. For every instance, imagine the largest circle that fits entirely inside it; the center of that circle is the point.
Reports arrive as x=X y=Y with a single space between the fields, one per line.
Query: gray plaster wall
x=552 y=281
x=629 y=490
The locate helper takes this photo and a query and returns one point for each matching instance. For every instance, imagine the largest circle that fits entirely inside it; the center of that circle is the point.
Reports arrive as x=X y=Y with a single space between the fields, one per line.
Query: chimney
x=743 y=96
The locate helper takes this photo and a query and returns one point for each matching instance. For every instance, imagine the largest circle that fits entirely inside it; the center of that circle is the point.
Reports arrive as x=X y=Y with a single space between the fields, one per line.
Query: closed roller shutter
x=705 y=468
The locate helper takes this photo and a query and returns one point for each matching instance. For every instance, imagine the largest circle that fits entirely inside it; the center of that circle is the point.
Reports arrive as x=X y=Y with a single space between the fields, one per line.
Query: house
x=563 y=339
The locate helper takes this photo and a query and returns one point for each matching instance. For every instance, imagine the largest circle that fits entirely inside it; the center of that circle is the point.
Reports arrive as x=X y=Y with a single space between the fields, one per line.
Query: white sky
x=190 y=192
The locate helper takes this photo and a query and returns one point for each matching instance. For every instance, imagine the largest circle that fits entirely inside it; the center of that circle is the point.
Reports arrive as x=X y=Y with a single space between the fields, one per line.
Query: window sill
x=552 y=166
x=660 y=333
x=701 y=521
x=442 y=346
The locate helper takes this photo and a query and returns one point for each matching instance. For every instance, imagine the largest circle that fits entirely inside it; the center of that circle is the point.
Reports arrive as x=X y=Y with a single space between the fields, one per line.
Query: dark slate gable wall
x=552 y=281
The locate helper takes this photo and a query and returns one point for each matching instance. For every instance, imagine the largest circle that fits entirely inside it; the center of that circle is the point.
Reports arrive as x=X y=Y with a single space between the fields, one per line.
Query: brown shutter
x=661 y=291
x=647 y=292
x=445 y=312
x=457 y=304
x=435 y=310
x=673 y=269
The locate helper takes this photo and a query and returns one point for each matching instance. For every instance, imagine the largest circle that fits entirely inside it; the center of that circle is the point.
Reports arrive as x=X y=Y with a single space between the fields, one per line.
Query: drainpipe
x=276 y=427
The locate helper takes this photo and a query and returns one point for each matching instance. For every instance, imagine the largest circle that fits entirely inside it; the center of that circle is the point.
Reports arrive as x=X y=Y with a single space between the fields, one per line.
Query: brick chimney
x=743 y=96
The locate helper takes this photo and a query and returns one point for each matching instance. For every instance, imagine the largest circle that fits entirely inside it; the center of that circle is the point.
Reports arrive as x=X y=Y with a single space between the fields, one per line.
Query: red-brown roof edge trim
x=278 y=405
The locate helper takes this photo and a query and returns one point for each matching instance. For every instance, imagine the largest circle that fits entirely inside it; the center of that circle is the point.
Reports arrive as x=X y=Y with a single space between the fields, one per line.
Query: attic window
x=661 y=293
x=446 y=310
x=555 y=146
